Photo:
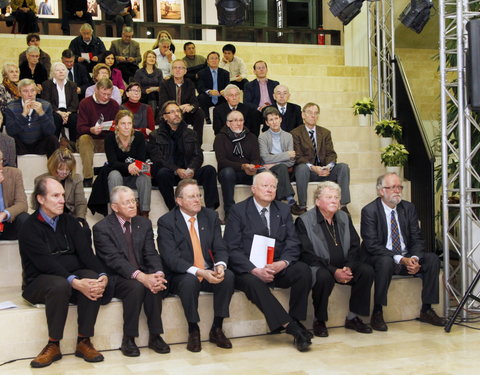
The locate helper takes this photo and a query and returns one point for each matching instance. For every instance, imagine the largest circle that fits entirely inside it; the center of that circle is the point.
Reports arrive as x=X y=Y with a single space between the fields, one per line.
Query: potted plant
x=394 y=157
x=363 y=109
x=388 y=130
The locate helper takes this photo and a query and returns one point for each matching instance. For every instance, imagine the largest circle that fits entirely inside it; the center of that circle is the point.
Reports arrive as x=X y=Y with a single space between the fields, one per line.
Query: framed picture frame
x=138 y=7
x=170 y=11
x=47 y=8
x=94 y=9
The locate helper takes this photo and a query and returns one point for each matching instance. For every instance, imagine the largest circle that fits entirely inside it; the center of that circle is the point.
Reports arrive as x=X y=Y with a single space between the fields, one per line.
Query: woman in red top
x=143 y=113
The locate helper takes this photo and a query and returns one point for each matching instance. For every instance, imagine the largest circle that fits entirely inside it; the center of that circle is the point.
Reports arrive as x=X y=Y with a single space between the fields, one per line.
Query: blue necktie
x=215 y=86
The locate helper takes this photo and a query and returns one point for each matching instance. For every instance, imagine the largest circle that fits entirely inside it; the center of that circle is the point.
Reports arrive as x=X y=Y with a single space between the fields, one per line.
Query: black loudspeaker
x=473 y=65
x=231 y=12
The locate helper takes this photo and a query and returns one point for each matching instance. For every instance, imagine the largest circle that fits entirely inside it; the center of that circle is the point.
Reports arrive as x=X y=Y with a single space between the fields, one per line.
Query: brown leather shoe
x=431 y=317
x=50 y=353
x=320 y=329
x=194 y=344
x=86 y=351
x=377 y=322
x=218 y=337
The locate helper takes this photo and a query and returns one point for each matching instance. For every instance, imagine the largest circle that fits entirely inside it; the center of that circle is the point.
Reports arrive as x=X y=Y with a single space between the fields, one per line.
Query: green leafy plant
x=394 y=155
x=389 y=128
x=363 y=107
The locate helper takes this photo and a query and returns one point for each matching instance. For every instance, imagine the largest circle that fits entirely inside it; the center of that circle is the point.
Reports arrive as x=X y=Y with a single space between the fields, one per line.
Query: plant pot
x=385 y=141
x=397 y=169
x=364 y=120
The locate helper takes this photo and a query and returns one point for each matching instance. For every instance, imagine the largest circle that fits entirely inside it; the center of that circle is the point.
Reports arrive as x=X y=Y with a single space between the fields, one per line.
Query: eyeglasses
x=135 y=91
x=173 y=111
x=394 y=187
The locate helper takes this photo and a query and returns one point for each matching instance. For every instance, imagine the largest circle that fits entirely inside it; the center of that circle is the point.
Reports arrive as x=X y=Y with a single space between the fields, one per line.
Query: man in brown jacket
x=316 y=158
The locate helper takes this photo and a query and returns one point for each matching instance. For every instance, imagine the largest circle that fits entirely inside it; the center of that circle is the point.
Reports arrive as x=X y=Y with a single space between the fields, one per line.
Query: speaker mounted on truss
x=416 y=15
x=345 y=10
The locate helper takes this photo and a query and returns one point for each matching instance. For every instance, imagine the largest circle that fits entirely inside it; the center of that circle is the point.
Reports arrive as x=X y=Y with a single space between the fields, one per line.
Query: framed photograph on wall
x=94 y=9
x=170 y=11
x=47 y=8
x=138 y=8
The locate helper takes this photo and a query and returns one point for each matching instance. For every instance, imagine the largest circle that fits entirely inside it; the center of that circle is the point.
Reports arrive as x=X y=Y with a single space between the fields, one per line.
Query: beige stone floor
x=407 y=348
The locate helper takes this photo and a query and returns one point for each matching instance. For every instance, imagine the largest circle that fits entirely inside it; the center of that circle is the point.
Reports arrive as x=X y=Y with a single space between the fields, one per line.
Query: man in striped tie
x=393 y=244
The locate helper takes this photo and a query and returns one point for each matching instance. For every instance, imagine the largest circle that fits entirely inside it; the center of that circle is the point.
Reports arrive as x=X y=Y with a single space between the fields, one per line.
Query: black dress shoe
x=320 y=329
x=377 y=322
x=357 y=325
x=300 y=336
x=155 y=342
x=194 y=344
x=218 y=337
x=208 y=121
x=431 y=317
x=296 y=210
x=307 y=333
x=129 y=348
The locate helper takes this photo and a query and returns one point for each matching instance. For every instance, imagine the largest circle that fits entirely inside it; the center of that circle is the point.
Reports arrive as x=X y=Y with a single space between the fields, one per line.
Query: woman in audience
x=149 y=77
x=8 y=87
x=108 y=58
x=103 y=71
x=164 y=34
x=123 y=147
x=32 y=68
x=144 y=119
x=62 y=95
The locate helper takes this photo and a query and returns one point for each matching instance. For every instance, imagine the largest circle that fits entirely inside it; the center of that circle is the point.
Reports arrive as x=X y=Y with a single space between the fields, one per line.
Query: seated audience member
x=238 y=156
x=92 y=112
x=62 y=95
x=7 y=146
x=234 y=65
x=194 y=62
x=393 y=244
x=164 y=34
x=13 y=205
x=102 y=71
x=86 y=47
x=60 y=267
x=127 y=53
x=30 y=122
x=330 y=246
x=123 y=148
x=33 y=69
x=8 y=87
x=315 y=157
x=291 y=113
x=261 y=215
x=195 y=258
x=150 y=78
x=232 y=95
x=144 y=120
x=164 y=57
x=25 y=13
x=258 y=93
x=176 y=155
x=210 y=85
x=277 y=154
x=124 y=241
x=75 y=10
x=122 y=19
x=76 y=72
x=108 y=58
x=33 y=39
x=182 y=91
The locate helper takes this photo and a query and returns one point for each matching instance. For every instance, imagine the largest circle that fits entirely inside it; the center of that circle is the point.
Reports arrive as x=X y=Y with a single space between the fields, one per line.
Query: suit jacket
x=221 y=111
x=374 y=231
x=304 y=148
x=112 y=248
x=244 y=222
x=14 y=197
x=291 y=119
x=168 y=91
x=265 y=144
x=251 y=92
x=50 y=94
x=205 y=80
x=81 y=78
x=176 y=247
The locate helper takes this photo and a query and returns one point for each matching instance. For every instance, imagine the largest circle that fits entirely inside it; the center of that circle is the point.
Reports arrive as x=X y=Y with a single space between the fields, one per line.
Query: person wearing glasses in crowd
x=142 y=113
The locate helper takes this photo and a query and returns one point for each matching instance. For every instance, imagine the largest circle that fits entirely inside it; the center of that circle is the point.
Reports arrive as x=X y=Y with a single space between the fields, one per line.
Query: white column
x=209 y=17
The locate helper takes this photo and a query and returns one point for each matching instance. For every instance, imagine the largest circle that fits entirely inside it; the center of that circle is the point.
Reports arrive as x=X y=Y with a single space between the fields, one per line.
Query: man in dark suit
x=210 y=85
x=393 y=244
x=220 y=112
x=182 y=91
x=76 y=73
x=124 y=241
x=195 y=257
x=291 y=113
x=261 y=215
x=252 y=92
x=316 y=159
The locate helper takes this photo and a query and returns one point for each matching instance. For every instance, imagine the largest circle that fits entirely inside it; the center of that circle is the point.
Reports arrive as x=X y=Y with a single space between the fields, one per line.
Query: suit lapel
x=383 y=220
x=137 y=240
x=204 y=236
x=402 y=221
x=274 y=219
x=253 y=214
x=118 y=234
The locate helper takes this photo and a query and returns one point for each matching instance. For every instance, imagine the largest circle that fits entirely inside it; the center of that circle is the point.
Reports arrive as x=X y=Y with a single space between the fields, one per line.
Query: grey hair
x=116 y=192
x=25 y=82
x=40 y=189
x=381 y=178
x=324 y=186
x=33 y=49
x=127 y=29
x=254 y=182
x=165 y=40
x=231 y=86
x=278 y=87
x=6 y=66
x=85 y=27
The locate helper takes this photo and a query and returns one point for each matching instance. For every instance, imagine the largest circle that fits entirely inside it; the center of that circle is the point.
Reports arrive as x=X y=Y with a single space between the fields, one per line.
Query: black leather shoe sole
x=40 y=365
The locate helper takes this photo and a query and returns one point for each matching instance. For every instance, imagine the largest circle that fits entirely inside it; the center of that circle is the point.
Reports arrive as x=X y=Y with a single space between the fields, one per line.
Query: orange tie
x=198 y=260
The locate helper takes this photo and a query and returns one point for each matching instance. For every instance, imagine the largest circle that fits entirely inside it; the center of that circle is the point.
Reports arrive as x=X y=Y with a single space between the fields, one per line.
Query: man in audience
x=127 y=53
x=238 y=157
x=124 y=241
x=316 y=157
x=258 y=93
x=92 y=113
x=194 y=62
x=210 y=85
x=76 y=73
x=181 y=90
x=176 y=155
x=232 y=95
x=33 y=39
x=86 y=47
x=234 y=65
x=261 y=216
x=75 y=10
x=164 y=57
x=195 y=258
x=29 y=121
x=291 y=113
x=330 y=246
x=59 y=267
x=393 y=244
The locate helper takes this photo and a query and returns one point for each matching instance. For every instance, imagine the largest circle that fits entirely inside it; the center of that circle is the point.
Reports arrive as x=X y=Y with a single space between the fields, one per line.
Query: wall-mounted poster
x=170 y=11
x=47 y=8
x=138 y=10
x=94 y=9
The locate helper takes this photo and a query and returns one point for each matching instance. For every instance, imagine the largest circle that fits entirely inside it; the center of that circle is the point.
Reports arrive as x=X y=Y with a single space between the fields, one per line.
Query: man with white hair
x=164 y=57
x=87 y=47
x=291 y=113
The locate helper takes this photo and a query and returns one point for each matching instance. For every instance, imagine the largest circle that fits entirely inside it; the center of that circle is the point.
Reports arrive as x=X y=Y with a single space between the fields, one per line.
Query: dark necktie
x=70 y=75
x=129 y=240
x=282 y=110
x=179 y=95
x=396 y=245
x=314 y=144
x=264 y=218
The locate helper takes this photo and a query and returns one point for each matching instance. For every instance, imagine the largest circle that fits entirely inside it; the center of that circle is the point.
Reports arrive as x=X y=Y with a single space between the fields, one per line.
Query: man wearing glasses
x=393 y=244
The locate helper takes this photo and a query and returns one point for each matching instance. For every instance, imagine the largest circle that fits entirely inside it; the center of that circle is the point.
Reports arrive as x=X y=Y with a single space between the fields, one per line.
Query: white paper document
x=107 y=125
x=259 y=250
x=86 y=56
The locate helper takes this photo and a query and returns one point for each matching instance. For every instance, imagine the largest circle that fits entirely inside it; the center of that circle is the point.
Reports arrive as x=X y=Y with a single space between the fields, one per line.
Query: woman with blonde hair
x=150 y=78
